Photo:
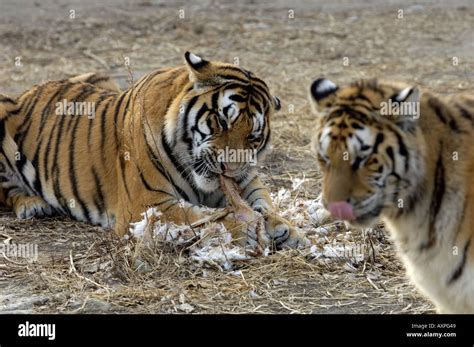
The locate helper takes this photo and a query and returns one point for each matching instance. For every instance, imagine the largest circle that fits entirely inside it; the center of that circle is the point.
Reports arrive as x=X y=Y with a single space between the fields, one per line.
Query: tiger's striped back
x=104 y=156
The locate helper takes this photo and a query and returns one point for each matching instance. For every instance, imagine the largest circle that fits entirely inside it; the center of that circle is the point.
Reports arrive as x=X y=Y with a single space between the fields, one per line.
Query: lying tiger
x=155 y=144
x=412 y=167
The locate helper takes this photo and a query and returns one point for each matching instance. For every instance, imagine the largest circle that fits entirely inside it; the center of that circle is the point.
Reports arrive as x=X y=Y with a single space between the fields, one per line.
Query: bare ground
x=84 y=269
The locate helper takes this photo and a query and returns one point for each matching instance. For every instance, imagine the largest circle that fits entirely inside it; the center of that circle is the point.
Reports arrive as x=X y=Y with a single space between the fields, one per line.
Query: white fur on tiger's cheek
x=199 y=147
x=194 y=59
x=206 y=184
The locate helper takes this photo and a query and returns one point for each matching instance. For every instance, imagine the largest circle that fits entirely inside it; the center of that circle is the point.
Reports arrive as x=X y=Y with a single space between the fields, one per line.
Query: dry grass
x=96 y=272
x=82 y=269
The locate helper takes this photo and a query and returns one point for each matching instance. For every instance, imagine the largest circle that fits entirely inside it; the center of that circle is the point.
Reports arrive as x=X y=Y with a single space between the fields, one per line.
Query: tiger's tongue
x=341 y=210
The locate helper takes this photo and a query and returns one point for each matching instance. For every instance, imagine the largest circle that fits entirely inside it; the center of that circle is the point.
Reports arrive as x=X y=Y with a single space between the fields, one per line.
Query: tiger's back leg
x=14 y=191
x=15 y=194
x=97 y=79
x=6 y=105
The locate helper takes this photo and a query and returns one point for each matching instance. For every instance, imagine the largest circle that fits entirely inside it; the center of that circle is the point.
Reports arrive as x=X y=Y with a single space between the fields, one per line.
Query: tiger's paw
x=283 y=234
x=31 y=206
x=251 y=235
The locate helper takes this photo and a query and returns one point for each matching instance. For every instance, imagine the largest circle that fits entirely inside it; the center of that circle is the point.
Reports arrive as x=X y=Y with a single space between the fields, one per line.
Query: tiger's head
x=369 y=147
x=223 y=126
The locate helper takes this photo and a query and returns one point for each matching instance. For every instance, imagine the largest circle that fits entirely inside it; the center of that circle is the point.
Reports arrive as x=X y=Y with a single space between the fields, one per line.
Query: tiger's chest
x=430 y=268
x=215 y=200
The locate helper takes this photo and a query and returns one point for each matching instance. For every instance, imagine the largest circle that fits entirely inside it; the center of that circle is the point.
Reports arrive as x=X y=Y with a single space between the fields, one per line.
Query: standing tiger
x=155 y=144
x=391 y=152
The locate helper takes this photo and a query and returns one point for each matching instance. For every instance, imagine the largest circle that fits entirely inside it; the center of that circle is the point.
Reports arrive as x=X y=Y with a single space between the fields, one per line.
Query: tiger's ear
x=200 y=70
x=404 y=107
x=323 y=93
x=410 y=94
x=276 y=103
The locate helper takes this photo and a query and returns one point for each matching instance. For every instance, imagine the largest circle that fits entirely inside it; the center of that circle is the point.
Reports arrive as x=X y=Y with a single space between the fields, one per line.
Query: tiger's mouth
x=368 y=218
x=364 y=221
x=238 y=173
x=216 y=168
x=207 y=169
x=346 y=212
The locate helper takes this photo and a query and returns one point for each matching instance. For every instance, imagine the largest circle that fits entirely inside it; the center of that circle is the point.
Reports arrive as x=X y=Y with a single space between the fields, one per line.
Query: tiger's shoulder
x=455 y=111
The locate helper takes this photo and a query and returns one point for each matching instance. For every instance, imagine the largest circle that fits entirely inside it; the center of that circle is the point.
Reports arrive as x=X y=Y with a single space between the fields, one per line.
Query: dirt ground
x=84 y=269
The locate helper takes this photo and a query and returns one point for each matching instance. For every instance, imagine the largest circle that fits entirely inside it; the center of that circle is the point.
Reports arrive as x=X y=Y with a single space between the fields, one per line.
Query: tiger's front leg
x=282 y=232
x=26 y=207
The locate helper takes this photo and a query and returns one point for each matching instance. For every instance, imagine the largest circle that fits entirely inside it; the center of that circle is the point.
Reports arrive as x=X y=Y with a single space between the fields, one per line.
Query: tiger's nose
x=341 y=210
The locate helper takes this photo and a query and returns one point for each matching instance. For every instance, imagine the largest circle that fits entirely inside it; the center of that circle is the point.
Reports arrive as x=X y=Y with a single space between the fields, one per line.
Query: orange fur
x=132 y=155
x=412 y=170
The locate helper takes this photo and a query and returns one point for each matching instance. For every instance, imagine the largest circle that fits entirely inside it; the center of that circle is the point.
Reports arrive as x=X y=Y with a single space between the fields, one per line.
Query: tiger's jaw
x=364 y=221
x=208 y=179
x=206 y=173
x=208 y=182
x=208 y=166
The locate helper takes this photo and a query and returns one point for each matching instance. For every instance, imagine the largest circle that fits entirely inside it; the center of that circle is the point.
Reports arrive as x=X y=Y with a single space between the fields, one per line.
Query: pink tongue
x=341 y=210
